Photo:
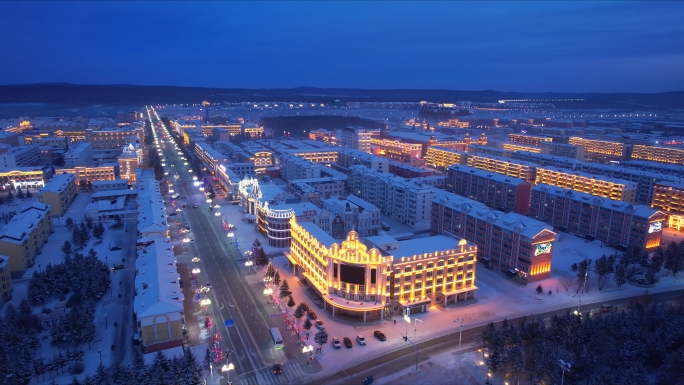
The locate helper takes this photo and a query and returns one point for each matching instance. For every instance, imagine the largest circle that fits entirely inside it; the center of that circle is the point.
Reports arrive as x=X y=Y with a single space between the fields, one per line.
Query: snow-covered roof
x=58 y=183
x=151 y=210
x=22 y=224
x=156 y=283
x=323 y=238
x=486 y=174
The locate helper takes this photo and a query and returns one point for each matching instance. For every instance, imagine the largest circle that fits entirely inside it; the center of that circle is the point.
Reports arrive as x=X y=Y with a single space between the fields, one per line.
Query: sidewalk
x=192 y=338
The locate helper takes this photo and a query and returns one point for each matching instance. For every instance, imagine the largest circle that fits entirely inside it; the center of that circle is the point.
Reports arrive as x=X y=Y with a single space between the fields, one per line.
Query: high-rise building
x=358 y=138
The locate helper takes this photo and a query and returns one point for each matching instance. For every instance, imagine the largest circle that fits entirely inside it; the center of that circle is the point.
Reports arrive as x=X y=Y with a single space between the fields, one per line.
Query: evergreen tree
x=207 y=359
x=28 y=193
x=20 y=193
x=270 y=271
x=89 y=222
x=69 y=223
x=262 y=258
x=66 y=248
x=39 y=367
x=620 y=274
x=118 y=222
x=284 y=290
x=299 y=313
x=307 y=324
x=98 y=230
x=321 y=338
x=291 y=303
x=10 y=196
x=276 y=278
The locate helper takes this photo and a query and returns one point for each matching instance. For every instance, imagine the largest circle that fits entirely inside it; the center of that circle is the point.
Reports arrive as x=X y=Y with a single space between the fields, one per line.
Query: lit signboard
x=542 y=248
x=654 y=227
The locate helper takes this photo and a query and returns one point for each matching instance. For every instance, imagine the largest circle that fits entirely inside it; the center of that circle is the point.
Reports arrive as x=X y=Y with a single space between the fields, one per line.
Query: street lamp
x=100 y=351
x=565 y=367
x=227 y=368
x=460 y=332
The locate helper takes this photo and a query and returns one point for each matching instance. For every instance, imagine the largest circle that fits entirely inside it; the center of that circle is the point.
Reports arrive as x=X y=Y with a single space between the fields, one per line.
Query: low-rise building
x=23 y=237
x=109 y=185
x=442 y=157
x=562 y=149
x=354 y=214
x=350 y=157
x=501 y=192
x=521 y=147
x=59 y=193
x=152 y=221
x=669 y=197
x=78 y=154
x=408 y=171
x=616 y=223
x=33 y=177
x=509 y=242
x=607 y=149
x=89 y=174
x=531 y=140
x=273 y=220
x=158 y=302
x=382 y=276
x=6 y=287
x=505 y=166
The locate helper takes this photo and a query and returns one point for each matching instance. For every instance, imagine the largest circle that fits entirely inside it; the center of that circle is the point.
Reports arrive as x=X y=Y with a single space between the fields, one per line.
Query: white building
x=79 y=154
x=358 y=138
x=293 y=167
x=110 y=185
x=22 y=156
x=349 y=157
x=355 y=214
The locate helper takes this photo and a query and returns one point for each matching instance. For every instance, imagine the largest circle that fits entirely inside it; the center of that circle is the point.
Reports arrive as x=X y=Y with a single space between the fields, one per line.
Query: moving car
x=277 y=369
x=360 y=340
x=192 y=241
x=319 y=324
x=336 y=343
x=311 y=314
x=117 y=267
x=380 y=335
x=347 y=342
x=195 y=206
x=208 y=284
x=173 y=214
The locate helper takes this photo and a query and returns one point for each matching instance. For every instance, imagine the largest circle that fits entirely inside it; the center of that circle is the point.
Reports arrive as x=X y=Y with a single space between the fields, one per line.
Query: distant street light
x=460 y=332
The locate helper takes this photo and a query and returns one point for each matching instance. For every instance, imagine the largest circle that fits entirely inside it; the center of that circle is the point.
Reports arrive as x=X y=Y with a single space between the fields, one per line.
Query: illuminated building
x=396 y=149
x=349 y=157
x=358 y=138
x=442 y=157
x=505 y=166
x=6 y=287
x=530 y=140
x=597 y=185
x=562 y=149
x=114 y=137
x=73 y=135
x=509 y=242
x=644 y=179
x=453 y=123
x=316 y=155
x=547 y=160
x=254 y=194
x=252 y=130
x=501 y=192
x=78 y=154
x=22 y=156
x=293 y=167
x=409 y=171
x=659 y=154
x=615 y=223
x=612 y=150
x=23 y=237
x=669 y=196
x=382 y=276
x=92 y=173
x=520 y=147
x=58 y=193
x=273 y=221
x=663 y=168
x=323 y=135
x=33 y=177
x=128 y=161
x=488 y=150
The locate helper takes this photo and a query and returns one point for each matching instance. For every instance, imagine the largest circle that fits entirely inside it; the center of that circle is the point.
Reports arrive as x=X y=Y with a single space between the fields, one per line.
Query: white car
x=336 y=343
x=360 y=340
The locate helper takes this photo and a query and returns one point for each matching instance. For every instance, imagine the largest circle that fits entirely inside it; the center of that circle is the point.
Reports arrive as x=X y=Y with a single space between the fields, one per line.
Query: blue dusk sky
x=567 y=46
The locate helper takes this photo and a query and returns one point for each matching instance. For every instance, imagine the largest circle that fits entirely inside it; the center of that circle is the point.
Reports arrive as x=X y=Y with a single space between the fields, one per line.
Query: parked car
x=304 y=306
x=336 y=343
x=311 y=314
x=277 y=369
x=117 y=267
x=319 y=324
x=360 y=340
x=208 y=284
x=380 y=335
x=192 y=241
x=173 y=214
x=195 y=206
x=347 y=342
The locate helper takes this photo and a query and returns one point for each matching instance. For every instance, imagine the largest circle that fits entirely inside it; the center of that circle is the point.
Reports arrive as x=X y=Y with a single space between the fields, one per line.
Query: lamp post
x=565 y=367
x=211 y=371
x=414 y=325
x=460 y=332
x=579 y=302
x=228 y=368
x=100 y=351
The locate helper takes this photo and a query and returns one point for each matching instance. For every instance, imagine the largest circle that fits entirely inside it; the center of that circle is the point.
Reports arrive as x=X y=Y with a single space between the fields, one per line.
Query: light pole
x=414 y=325
x=228 y=368
x=565 y=367
x=460 y=332
x=211 y=371
x=579 y=302
x=100 y=351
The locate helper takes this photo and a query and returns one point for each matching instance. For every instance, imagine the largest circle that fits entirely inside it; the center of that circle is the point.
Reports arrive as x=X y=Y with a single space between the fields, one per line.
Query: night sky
x=571 y=46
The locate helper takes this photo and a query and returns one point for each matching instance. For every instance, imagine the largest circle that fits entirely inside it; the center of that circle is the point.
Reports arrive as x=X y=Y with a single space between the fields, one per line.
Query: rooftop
x=58 y=183
x=626 y=183
x=486 y=174
x=156 y=284
x=21 y=225
x=323 y=238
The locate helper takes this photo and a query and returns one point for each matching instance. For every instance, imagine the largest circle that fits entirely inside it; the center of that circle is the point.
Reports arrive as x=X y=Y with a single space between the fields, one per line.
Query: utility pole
x=415 y=346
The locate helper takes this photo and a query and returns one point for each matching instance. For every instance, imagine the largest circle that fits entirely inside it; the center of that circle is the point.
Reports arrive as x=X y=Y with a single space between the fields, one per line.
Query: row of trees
x=628 y=347
x=19 y=330
x=86 y=275
x=76 y=327
x=321 y=336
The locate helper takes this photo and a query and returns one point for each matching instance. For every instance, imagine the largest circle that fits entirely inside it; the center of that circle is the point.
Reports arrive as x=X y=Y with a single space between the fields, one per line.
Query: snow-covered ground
x=451 y=367
x=110 y=305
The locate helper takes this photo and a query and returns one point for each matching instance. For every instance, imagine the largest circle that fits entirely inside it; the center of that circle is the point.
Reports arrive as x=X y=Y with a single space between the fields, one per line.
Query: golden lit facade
x=395 y=149
x=33 y=177
x=111 y=138
x=601 y=186
x=317 y=155
x=73 y=135
x=658 y=154
x=365 y=281
x=92 y=173
x=6 y=288
x=505 y=166
x=669 y=197
x=602 y=147
x=529 y=140
x=453 y=123
x=442 y=157
x=520 y=147
x=19 y=128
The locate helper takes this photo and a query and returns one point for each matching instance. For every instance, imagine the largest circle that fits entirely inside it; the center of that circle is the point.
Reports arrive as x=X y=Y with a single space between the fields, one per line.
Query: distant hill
x=301 y=125
x=72 y=94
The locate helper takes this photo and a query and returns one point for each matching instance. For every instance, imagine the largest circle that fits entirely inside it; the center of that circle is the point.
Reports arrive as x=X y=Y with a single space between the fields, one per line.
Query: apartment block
x=396 y=149
x=547 y=160
x=407 y=171
x=358 y=138
x=316 y=155
x=350 y=157
x=644 y=179
x=406 y=200
x=114 y=137
x=509 y=242
x=78 y=154
x=608 y=149
x=505 y=166
x=6 y=287
x=597 y=185
x=23 y=237
x=382 y=276
x=562 y=150
x=22 y=156
x=489 y=150
x=669 y=197
x=530 y=140
x=59 y=193
x=498 y=191
x=293 y=167
x=110 y=185
x=93 y=173
x=33 y=177
x=615 y=223
x=352 y=214
x=673 y=155
x=663 y=168
x=442 y=157
x=521 y=147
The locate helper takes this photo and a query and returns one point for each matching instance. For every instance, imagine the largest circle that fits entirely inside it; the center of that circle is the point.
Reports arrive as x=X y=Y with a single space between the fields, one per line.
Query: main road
x=249 y=340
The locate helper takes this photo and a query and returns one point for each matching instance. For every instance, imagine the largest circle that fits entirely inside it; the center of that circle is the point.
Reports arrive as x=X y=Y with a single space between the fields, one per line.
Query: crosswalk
x=292 y=374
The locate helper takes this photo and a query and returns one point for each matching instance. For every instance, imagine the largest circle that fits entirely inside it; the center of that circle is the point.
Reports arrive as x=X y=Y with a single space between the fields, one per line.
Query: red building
x=408 y=171
x=615 y=223
x=509 y=242
x=498 y=191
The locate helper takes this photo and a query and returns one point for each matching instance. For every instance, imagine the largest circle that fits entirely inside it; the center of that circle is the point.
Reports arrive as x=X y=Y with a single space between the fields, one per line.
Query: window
x=407 y=269
x=440 y=263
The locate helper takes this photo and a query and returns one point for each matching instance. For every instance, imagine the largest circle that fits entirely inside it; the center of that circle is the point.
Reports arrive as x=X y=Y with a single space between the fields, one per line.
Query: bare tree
x=566 y=283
